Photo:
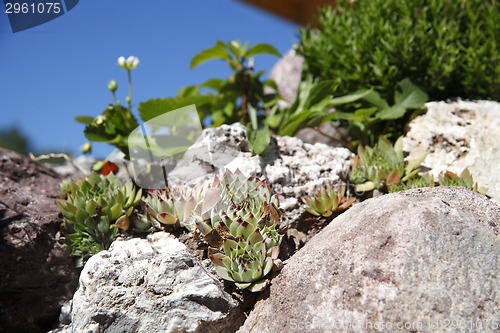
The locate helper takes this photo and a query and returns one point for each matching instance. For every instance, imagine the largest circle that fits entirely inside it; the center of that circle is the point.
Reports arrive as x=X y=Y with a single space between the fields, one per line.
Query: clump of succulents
x=465 y=180
x=383 y=166
x=178 y=205
x=240 y=226
x=326 y=201
x=95 y=208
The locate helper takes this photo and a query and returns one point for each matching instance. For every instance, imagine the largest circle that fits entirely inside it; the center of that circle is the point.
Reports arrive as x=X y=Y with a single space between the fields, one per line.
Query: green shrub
x=447 y=47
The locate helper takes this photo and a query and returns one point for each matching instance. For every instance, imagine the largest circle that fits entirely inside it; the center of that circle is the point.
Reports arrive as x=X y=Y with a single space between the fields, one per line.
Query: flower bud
x=129 y=63
x=97 y=166
x=99 y=120
x=86 y=148
x=121 y=62
x=112 y=86
x=128 y=99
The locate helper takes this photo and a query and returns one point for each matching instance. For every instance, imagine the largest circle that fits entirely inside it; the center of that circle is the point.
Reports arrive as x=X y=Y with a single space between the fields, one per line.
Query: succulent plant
x=242 y=221
x=383 y=165
x=95 y=209
x=178 y=204
x=465 y=179
x=325 y=202
x=159 y=206
x=425 y=180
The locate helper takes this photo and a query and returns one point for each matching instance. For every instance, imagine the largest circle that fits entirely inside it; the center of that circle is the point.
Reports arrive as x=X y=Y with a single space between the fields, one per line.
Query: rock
x=333 y=130
x=287 y=73
x=36 y=278
x=151 y=285
x=292 y=167
x=428 y=256
x=459 y=135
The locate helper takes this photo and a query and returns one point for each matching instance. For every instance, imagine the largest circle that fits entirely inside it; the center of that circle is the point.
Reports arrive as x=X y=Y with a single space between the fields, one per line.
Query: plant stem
x=129 y=100
x=342 y=142
x=116 y=100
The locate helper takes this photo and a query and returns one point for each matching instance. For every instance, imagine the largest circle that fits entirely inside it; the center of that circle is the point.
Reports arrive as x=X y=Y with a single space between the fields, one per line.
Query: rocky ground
x=424 y=259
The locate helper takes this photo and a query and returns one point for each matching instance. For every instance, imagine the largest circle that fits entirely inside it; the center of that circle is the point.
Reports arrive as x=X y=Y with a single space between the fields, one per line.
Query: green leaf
x=261 y=49
x=375 y=99
x=252 y=113
x=218 y=51
x=84 y=119
x=94 y=134
x=409 y=95
x=368 y=186
x=394 y=112
x=350 y=98
x=215 y=84
x=156 y=107
x=258 y=139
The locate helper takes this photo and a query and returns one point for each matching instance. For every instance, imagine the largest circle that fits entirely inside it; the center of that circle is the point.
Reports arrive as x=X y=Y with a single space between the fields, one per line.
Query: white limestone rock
x=459 y=135
x=293 y=168
x=150 y=285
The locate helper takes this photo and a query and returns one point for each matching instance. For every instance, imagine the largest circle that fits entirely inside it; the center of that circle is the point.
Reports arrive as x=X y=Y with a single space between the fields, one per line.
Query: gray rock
x=459 y=135
x=425 y=259
x=287 y=73
x=151 y=285
x=292 y=167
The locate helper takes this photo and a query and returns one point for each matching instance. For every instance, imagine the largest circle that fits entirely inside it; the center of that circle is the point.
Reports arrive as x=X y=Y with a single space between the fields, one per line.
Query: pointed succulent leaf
x=229 y=247
x=223 y=273
x=267 y=266
x=245 y=229
x=116 y=211
x=80 y=216
x=210 y=200
x=255 y=237
x=258 y=286
x=217 y=259
x=415 y=161
x=123 y=222
x=166 y=218
x=103 y=225
x=393 y=179
x=368 y=186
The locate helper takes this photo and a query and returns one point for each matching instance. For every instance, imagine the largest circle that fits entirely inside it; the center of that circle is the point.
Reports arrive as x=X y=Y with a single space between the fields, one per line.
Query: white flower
x=129 y=63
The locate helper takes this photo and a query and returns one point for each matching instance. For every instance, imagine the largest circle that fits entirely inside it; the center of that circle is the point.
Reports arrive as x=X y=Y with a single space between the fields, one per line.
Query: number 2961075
x=33 y=8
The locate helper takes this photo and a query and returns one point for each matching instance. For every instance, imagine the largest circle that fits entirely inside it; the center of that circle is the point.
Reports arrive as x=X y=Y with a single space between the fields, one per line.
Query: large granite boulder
x=424 y=260
x=151 y=285
x=293 y=168
x=459 y=135
x=36 y=278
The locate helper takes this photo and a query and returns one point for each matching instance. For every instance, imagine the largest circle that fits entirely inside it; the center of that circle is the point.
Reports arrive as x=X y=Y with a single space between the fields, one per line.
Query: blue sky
x=58 y=70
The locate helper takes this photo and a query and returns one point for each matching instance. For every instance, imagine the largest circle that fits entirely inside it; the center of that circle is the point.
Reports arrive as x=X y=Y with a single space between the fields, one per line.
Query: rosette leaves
x=242 y=229
x=95 y=208
x=326 y=201
x=383 y=165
